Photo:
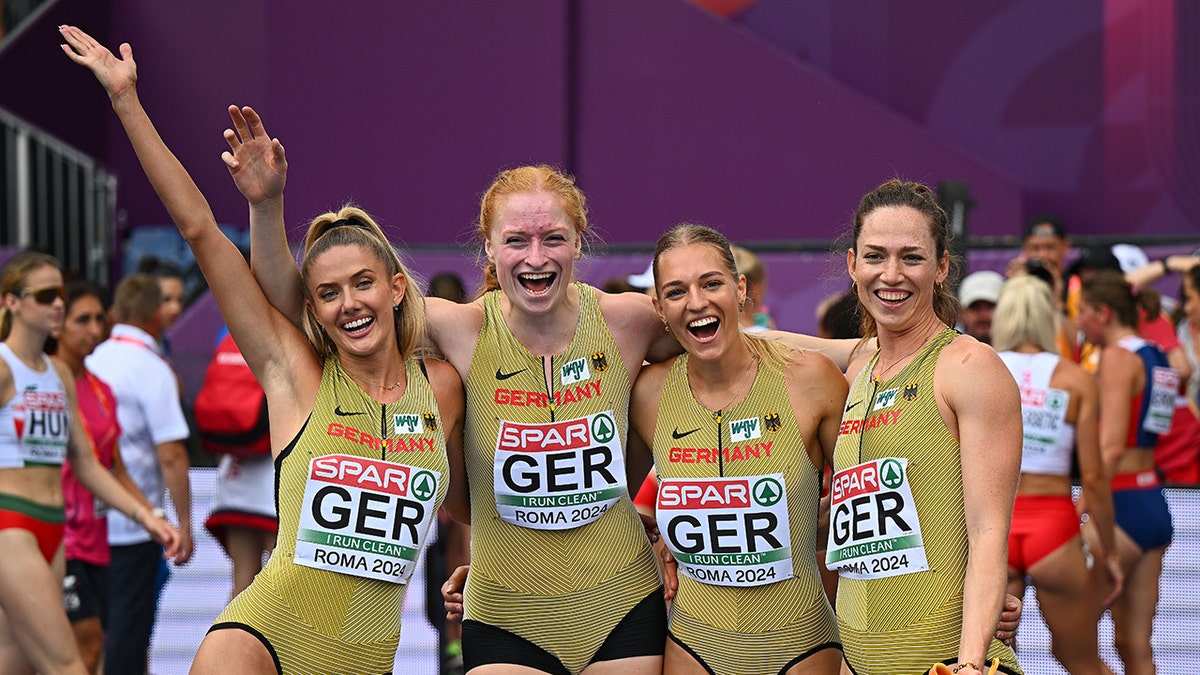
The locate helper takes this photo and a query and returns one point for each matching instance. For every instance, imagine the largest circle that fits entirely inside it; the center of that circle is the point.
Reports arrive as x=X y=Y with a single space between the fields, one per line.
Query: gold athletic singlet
x=356 y=492
x=742 y=523
x=558 y=554
x=897 y=524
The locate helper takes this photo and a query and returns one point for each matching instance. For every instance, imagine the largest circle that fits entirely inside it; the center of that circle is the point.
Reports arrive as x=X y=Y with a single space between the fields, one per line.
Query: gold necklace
x=879 y=376
x=738 y=389
x=381 y=387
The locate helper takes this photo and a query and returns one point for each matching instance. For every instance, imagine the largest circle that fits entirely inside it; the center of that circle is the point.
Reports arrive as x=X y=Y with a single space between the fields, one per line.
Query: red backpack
x=231 y=408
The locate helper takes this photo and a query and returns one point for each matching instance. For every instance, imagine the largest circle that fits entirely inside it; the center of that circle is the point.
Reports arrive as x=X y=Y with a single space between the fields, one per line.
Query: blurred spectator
x=620 y=285
x=1179 y=458
x=153 y=429
x=170 y=282
x=448 y=285
x=755 y=316
x=243 y=518
x=838 y=317
x=978 y=295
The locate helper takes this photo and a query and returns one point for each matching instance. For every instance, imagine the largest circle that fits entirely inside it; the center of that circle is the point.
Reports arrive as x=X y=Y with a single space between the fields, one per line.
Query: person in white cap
x=644 y=282
x=978 y=295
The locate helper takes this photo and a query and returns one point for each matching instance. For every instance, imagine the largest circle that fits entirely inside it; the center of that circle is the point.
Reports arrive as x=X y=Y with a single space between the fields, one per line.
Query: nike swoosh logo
x=337 y=410
x=505 y=376
x=676 y=435
x=849 y=407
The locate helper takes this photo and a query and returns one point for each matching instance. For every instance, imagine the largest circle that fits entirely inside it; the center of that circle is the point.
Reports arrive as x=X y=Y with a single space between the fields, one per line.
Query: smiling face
x=352 y=296
x=895 y=266
x=534 y=245
x=699 y=298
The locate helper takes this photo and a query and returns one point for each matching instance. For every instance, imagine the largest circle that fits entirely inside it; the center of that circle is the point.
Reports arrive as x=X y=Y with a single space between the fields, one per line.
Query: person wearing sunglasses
x=40 y=428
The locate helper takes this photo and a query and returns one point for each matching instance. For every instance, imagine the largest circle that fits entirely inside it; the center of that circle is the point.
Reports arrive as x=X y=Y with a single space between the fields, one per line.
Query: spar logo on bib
x=727 y=531
x=560 y=474
x=365 y=517
x=874 y=529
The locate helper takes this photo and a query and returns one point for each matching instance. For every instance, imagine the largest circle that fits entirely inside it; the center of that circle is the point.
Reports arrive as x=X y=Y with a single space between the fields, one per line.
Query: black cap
x=1045 y=225
x=1099 y=258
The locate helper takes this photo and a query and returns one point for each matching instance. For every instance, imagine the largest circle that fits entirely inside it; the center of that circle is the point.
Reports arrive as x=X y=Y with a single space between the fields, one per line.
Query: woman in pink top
x=85 y=587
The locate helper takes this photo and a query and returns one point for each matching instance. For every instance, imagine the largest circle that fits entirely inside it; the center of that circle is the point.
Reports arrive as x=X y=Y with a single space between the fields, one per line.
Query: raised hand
x=116 y=75
x=255 y=161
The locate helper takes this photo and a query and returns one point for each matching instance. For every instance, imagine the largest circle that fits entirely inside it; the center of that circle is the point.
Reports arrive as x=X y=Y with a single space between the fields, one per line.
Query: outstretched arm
x=273 y=348
x=258 y=166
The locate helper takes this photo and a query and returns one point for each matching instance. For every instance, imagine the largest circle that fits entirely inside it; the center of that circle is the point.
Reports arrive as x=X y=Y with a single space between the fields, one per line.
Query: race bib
x=365 y=517
x=873 y=527
x=1043 y=418
x=558 y=475
x=1163 y=390
x=727 y=531
x=42 y=427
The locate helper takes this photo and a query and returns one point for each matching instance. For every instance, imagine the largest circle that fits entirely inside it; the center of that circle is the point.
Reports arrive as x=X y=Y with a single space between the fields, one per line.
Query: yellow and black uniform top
x=558 y=554
x=738 y=506
x=897 y=615
x=356 y=491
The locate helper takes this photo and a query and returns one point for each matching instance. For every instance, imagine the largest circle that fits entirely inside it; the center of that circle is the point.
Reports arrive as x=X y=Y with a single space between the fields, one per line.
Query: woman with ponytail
x=360 y=425
x=1137 y=402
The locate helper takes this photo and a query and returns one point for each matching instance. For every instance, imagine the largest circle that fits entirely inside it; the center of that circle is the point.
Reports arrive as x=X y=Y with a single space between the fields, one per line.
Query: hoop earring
x=854 y=288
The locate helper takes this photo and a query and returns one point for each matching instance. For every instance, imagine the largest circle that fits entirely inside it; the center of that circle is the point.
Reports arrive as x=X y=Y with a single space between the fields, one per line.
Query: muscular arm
x=278 y=353
x=985 y=412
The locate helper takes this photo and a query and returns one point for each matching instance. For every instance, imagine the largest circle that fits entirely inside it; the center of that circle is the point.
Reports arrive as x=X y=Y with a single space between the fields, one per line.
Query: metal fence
x=55 y=199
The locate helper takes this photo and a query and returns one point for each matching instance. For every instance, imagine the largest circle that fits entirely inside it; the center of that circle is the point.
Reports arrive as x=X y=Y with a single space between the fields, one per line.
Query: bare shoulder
x=652 y=378
x=965 y=354
x=64 y=373
x=808 y=369
x=454 y=327
x=442 y=375
x=627 y=310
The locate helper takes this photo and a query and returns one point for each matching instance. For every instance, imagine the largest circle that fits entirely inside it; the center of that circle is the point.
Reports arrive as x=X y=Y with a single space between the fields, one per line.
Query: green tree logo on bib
x=603 y=428
x=423 y=486
x=891 y=474
x=767 y=492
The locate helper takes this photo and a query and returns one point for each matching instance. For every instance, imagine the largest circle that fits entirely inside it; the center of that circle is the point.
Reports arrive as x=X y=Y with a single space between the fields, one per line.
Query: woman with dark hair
x=85 y=537
x=360 y=426
x=927 y=456
x=741 y=428
x=1058 y=403
x=1137 y=402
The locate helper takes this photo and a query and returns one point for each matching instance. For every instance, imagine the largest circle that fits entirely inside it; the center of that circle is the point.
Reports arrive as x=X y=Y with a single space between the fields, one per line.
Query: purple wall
x=1091 y=106
x=665 y=112
x=769 y=126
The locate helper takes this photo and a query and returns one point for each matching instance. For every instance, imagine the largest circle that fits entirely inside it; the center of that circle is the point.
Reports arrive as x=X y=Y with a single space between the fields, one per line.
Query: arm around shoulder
x=448 y=390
